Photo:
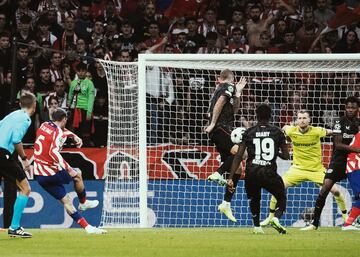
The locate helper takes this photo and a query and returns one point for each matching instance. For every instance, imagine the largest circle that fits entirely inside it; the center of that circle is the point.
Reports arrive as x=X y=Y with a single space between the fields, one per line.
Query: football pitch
x=189 y=242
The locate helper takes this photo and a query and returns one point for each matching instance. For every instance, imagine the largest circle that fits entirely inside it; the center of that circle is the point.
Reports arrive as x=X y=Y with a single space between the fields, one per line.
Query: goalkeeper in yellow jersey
x=307 y=160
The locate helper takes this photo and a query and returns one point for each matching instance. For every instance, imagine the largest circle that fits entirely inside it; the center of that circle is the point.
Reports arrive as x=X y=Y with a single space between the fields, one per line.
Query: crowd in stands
x=57 y=43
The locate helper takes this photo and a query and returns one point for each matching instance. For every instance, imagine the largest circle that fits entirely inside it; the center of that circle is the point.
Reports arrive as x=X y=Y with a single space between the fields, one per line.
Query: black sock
x=226 y=166
x=319 y=205
x=229 y=195
x=255 y=210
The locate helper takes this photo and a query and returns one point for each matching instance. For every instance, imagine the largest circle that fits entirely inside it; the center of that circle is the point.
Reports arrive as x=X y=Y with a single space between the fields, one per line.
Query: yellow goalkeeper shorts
x=295 y=176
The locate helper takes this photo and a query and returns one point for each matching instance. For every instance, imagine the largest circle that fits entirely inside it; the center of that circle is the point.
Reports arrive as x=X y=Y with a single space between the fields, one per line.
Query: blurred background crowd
x=57 y=43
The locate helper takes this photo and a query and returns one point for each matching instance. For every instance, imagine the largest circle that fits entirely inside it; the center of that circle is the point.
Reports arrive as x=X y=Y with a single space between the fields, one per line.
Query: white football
x=237 y=134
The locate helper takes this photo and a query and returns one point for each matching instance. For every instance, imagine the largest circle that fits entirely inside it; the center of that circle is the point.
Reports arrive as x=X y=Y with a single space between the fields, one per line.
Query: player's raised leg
x=76 y=216
x=80 y=190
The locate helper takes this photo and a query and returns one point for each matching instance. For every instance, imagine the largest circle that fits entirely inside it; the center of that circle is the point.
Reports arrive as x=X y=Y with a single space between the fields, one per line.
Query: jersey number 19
x=264 y=148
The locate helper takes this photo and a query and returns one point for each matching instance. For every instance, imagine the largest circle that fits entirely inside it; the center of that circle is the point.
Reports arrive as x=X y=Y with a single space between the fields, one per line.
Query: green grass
x=183 y=242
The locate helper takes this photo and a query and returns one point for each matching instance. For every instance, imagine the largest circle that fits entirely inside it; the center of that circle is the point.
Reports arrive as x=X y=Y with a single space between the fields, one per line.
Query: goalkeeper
x=307 y=160
x=223 y=104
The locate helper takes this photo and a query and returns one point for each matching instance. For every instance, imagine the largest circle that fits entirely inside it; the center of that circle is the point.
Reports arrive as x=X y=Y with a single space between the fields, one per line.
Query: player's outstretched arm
x=340 y=146
x=78 y=141
x=240 y=86
x=329 y=132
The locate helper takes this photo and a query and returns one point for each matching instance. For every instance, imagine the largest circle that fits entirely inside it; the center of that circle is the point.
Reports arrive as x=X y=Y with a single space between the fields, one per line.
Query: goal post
x=159 y=158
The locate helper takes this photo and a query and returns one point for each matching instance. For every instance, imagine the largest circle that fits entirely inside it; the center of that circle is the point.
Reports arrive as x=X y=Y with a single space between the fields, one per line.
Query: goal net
x=159 y=157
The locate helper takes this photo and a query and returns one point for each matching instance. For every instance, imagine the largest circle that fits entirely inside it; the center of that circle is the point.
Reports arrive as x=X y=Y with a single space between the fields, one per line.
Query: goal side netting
x=159 y=158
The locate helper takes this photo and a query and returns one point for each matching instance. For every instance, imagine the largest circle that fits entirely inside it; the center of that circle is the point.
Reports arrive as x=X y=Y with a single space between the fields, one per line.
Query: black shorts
x=9 y=168
x=221 y=137
x=336 y=171
x=264 y=177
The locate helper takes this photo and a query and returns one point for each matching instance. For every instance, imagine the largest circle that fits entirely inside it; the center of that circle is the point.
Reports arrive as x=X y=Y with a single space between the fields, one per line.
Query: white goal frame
x=147 y=59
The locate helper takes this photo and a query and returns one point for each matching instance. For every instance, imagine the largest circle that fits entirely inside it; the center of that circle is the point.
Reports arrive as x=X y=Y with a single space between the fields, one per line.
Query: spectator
x=51 y=106
x=84 y=24
x=44 y=85
x=24 y=32
x=290 y=45
x=5 y=55
x=348 y=44
x=97 y=37
x=308 y=32
x=23 y=9
x=45 y=5
x=323 y=13
x=112 y=29
x=21 y=65
x=194 y=39
x=280 y=27
x=54 y=28
x=127 y=38
x=82 y=51
x=180 y=43
x=55 y=67
x=265 y=43
x=180 y=27
x=81 y=103
x=68 y=39
x=142 y=22
x=43 y=32
x=255 y=25
x=60 y=94
x=210 y=47
x=236 y=43
x=64 y=11
x=3 y=23
x=209 y=22
x=237 y=20
x=123 y=56
x=154 y=35
x=222 y=33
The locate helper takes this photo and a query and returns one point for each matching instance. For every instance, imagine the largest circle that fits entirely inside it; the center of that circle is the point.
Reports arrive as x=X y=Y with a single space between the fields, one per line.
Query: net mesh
x=180 y=156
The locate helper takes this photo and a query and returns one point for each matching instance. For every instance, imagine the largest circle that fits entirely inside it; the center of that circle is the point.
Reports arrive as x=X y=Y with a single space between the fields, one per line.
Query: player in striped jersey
x=52 y=171
x=353 y=175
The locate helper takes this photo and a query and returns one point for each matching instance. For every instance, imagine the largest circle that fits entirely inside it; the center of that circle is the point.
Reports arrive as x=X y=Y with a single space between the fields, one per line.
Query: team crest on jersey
x=337 y=126
x=230 y=89
x=329 y=171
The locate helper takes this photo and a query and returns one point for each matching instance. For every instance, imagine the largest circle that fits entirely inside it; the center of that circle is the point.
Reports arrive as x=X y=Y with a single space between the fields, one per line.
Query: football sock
x=319 y=205
x=19 y=206
x=341 y=203
x=355 y=212
x=82 y=196
x=273 y=203
x=79 y=219
x=226 y=166
x=281 y=204
x=229 y=195
x=255 y=210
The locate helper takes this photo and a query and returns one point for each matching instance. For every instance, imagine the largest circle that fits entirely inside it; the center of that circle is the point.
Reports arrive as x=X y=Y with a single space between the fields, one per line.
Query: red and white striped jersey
x=353 y=159
x=49 y=141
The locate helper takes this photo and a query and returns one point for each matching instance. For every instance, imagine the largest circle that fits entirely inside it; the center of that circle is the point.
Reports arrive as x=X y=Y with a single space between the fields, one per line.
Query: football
x=237 y=134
